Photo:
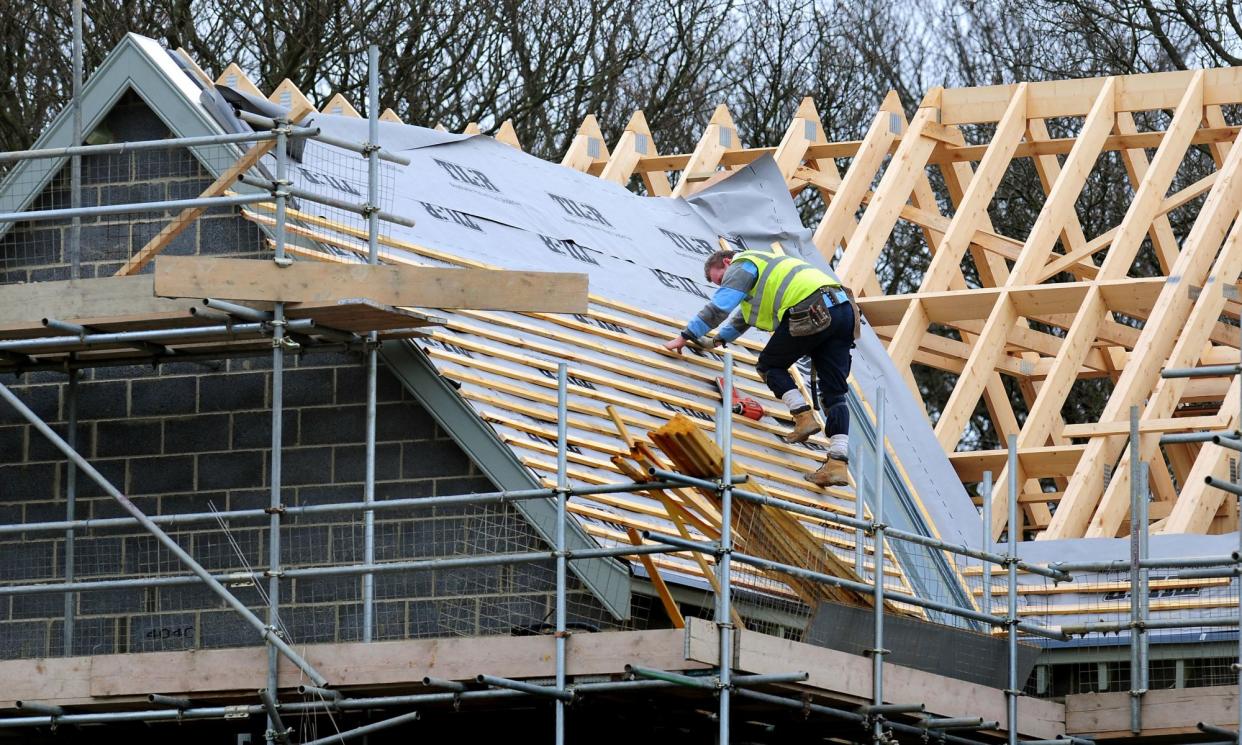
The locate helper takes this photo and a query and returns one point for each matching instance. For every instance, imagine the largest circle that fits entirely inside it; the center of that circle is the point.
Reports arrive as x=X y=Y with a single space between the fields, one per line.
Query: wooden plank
x=1198 y=503
x=360 y=316
x=1074 y=97
x=1134 y=297
x=340 y=106
x=849 y=676
x=1163 y=400
x=1135 y=160
x=45 y=679
x=1053 y=218
x=803 y=131
x=290 y=96
x=635 y=143
x=220 y=671
x=666 y=597
x=24 y=304
x=1044 y=417
x=1048 y=168
x=1165 y=712
x=1146 y=426
x=424 y=287
x=1036 y=462
x=233 y=77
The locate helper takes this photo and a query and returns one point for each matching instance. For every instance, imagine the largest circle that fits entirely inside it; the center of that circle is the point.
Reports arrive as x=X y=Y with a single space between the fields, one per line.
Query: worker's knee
x=833 y=400
x=836 y=414
x=778 y=379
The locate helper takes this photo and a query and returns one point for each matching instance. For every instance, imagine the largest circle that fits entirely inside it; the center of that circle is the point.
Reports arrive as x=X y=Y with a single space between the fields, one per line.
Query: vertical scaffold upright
x=724 y=604
x=372 y=355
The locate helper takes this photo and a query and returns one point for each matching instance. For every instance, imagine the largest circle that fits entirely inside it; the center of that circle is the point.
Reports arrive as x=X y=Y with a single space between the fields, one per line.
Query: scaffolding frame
x=876 y=718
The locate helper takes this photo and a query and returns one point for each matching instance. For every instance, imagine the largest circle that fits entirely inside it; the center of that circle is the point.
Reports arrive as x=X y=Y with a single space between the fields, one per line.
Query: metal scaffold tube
x=1055 y=572
x=865 y=588
x=117 y=148
x=365 y=729
x=71 y=498
x=1011 y=591
x=562 y=486
x=414 y=565
x=277 y=444
x=164 y=205
x=75 y=162
x=986 y=541
x=724 y=608
x=1138 y=527
x=497 y=497
x=365 y=210
x=877 y=571
x=372 y=356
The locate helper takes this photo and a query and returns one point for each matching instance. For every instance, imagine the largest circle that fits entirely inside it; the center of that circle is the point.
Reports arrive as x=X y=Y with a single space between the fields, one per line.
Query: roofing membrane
x=478 y=202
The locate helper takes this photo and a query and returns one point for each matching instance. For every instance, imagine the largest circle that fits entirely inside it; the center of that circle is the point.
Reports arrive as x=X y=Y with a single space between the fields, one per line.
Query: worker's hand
x=675 y=344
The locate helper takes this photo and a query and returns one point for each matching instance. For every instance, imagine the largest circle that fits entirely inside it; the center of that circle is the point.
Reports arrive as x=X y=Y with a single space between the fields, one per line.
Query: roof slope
x=477 y=202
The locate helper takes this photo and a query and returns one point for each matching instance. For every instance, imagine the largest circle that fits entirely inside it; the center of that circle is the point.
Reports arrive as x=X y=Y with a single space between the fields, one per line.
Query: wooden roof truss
x=1051 y=308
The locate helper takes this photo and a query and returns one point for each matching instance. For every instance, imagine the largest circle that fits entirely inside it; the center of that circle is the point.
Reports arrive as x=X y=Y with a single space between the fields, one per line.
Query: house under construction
x=321 y=427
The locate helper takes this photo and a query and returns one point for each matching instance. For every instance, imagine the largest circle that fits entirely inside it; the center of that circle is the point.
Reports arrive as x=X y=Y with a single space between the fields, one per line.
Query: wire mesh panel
x=37 y=250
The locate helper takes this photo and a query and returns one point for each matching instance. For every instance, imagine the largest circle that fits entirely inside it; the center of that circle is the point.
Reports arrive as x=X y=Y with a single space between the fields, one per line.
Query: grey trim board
x=607 y=578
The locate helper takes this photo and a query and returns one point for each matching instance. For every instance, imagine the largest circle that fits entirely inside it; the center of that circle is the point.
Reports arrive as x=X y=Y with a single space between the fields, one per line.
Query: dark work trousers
x=829 y=351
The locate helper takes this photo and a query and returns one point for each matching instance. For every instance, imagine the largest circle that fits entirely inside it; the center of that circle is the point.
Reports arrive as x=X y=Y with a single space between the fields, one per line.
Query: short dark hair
x=716 y=260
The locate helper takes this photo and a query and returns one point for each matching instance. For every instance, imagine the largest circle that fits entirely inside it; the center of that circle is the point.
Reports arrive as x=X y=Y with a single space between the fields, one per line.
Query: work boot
x=804 y=426
x=834 y=472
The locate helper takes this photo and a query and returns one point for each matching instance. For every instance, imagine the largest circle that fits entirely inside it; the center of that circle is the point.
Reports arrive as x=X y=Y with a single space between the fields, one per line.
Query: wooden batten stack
x=762 y=530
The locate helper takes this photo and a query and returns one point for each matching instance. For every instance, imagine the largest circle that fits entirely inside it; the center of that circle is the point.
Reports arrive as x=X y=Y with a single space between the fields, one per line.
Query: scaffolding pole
x=877 y=559
x=372 y=356
x=562 y=486
x=190 y=518
x=1137 y=632
x=724 y=607
x=75 y=162
x=278 y=391
x=1011 y=589
x=71 y=498
x=416 y=565
x=986 y=542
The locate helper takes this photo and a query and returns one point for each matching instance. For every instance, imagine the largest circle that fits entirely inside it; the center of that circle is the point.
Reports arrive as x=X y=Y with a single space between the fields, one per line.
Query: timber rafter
x=1042 y=312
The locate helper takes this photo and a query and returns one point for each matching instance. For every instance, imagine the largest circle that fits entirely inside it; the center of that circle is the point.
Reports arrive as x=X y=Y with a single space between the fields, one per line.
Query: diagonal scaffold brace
x=268 y=633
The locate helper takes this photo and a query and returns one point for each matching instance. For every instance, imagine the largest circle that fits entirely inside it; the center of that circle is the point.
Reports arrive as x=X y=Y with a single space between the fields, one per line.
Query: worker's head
x=716 y=264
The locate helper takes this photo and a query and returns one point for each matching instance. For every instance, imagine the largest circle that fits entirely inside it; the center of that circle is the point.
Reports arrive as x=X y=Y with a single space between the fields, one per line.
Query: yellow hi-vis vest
x=784 y=281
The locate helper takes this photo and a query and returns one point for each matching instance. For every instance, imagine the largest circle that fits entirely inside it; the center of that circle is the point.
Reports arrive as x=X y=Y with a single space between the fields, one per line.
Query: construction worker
x=810 y=315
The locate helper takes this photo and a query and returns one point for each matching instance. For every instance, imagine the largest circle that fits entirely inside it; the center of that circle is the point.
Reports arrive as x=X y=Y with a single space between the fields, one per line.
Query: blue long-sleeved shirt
x=736 y=284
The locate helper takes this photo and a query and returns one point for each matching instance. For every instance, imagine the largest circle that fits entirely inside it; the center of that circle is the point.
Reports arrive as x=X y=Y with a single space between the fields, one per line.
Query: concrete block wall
x=193 y=437
x=189 y=439
x=35 y=251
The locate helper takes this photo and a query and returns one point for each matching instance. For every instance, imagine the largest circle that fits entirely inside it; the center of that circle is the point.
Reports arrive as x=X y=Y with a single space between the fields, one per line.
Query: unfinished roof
x=1043 y=318
x=478 y=202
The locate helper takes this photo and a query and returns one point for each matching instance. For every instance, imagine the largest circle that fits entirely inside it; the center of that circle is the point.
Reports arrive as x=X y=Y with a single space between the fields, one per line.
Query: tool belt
x=811 y=316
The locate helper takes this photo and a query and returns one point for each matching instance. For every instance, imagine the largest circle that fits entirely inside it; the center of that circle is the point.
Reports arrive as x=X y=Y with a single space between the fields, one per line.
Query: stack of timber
x=762 y=530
